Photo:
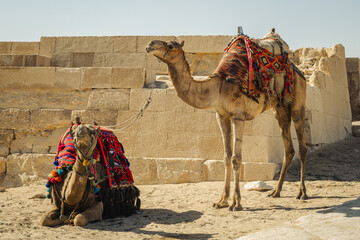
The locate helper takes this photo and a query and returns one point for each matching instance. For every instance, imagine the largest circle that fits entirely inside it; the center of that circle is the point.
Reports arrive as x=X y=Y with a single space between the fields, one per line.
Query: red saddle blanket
x=252 y=67
x=108 y=148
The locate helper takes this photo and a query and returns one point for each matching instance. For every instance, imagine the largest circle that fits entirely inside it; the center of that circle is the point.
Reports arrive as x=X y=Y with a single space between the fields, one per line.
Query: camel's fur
x=232 y=110
x=74 y=188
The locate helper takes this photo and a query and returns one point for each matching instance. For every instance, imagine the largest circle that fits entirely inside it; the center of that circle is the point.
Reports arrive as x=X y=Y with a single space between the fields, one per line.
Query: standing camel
x=232 y=110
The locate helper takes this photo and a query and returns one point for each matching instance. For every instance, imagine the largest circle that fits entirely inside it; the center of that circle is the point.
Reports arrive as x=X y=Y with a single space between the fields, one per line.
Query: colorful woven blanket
x=108 y=148
x=247 y=64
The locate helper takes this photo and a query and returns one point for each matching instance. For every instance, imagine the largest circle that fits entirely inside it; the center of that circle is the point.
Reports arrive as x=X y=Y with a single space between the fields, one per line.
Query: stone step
x=20 y=169
x=9 y=60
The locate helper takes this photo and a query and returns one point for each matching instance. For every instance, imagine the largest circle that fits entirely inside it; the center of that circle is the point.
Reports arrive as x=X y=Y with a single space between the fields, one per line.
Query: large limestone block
x=203 y=64
x=30 y=60
x=138 y=98
x=101 y=117
x=146 y=136
x=37 y=143
x=47 y=46
x=313 y=98
x=83 y=59
x=26 y=169
x=5 y=47
x=17 y=60
x=67 y=78
x=40 y=77
x=5 y=60
x=96 y=77
x=50 y=99
x=214 y=170
x=211 y=146
x=197 y=122
x=143 y=170
x=260 y=171
x=62 y=59
x=127 y=77
x=265 y=124
x=261 y=149
x=143 y=41
x=204 y=44
x=179 y=170
x=183 y=144
x=120 y=60
x=13 y=118
x=84 y=44
x=112 y=99
x=25 y=48
x=42 y=61
x=318 y=127
x=125 y=44
x=6 y=137
x=12 y=77
x=49 y=119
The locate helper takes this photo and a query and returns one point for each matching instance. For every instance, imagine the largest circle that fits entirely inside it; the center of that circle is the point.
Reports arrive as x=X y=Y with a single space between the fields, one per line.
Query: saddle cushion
x=109 y=151
x=252 y=67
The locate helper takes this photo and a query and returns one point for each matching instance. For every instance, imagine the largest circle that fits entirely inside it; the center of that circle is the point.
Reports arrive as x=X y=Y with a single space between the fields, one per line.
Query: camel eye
x=171 y=46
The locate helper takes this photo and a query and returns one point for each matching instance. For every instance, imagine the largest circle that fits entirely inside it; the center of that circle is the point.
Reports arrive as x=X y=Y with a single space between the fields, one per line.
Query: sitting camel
x=233 y=108
x=74 y=199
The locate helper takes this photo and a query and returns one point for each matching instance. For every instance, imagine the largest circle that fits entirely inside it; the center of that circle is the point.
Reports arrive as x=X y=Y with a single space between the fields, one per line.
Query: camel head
x=168 y=52
x=85 y=138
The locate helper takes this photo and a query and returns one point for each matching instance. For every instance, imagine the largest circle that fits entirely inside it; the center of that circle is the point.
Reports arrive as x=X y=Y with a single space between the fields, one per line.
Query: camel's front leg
x=225 y=127
x=51 y=218
x=236 y=159
x=91 y=214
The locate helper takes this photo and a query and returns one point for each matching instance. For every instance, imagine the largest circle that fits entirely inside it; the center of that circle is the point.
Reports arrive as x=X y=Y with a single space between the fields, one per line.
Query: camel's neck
x=77 y=183
x=198 y=94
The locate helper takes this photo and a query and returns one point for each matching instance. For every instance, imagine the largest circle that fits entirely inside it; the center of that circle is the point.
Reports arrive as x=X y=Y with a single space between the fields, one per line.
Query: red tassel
x=61 y=147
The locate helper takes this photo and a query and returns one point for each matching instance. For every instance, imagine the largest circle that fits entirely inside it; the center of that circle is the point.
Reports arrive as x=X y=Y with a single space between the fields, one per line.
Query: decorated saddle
x=252 y=67
x=112 y=180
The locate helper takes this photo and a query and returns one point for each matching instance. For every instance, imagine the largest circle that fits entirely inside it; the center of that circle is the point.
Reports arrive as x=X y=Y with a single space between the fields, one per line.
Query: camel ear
x=182 y=43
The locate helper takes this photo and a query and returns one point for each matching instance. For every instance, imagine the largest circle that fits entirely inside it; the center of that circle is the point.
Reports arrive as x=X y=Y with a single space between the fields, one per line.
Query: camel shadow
x=136 y=222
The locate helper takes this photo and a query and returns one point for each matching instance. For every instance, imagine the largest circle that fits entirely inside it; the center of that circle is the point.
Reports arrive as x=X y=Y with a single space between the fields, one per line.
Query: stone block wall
x=107 y=80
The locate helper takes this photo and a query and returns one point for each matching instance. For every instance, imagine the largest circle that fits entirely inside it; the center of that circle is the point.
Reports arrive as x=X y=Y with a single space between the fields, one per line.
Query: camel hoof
x=302 y=196
x=220 y=205
x=235 y=209
x=274 y=194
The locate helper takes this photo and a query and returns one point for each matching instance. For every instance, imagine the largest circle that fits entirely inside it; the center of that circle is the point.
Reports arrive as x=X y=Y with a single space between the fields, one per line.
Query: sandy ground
x=183 y=211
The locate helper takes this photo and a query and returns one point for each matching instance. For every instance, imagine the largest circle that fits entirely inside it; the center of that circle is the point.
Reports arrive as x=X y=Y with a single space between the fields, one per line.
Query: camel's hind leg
x=299 y=122
x=51 y=218
x=282 y=114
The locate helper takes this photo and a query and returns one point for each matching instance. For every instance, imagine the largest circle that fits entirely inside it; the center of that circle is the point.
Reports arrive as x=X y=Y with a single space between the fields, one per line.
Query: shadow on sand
x=349 y=208
x=136 y=222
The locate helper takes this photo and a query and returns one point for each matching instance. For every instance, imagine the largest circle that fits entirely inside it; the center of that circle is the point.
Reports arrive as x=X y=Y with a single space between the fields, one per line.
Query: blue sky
x=302 y=23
